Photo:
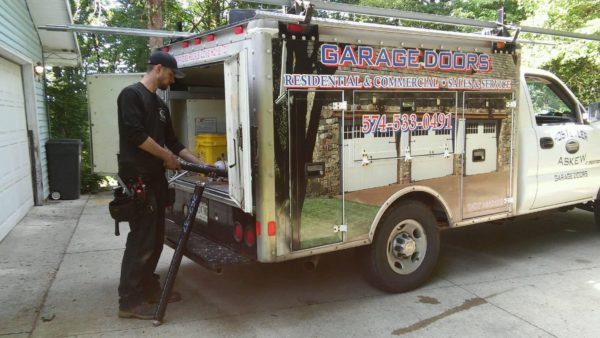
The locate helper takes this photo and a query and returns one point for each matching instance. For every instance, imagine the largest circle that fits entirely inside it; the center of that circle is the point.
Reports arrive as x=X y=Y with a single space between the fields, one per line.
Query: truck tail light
x=289 y=30
x=238 y=30
x=295 y=28
x=210 y=37
x=238 y=232
x=257 y=228
x=271 y=228
x=249 y=236
x=503 y=47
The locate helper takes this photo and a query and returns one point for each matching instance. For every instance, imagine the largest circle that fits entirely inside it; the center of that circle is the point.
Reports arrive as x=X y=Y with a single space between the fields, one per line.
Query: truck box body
x=332 y=126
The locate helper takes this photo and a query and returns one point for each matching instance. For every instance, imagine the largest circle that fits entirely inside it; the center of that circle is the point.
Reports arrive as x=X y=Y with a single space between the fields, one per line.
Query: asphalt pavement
x=537 y=276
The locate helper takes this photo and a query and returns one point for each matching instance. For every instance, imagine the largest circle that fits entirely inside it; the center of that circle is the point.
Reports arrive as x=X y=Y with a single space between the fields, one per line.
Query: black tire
x=408 y=265
x=597 y=211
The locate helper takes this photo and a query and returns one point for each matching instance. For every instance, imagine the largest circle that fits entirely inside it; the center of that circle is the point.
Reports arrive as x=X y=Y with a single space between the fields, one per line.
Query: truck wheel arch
x=596 y=210
x=419 y=193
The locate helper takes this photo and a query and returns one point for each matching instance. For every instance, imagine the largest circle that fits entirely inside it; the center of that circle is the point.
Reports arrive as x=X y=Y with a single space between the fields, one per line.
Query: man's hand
x=172 y=163
x=189 y=156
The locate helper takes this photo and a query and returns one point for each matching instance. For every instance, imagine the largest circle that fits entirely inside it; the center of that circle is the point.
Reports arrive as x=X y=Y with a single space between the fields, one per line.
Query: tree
x=155 y=21
x=102 y=53
x=69 y=118
x=576 y=62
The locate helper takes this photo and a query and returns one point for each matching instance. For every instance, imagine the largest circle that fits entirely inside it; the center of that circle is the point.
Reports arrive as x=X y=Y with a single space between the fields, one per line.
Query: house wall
x=20 y=43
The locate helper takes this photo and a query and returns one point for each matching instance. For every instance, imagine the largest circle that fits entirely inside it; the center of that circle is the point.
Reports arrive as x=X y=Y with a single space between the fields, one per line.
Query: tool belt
x=122 y=208
x=127 y=203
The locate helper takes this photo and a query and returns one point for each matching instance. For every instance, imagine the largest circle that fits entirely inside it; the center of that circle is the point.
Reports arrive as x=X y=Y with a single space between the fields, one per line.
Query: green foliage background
x=67 y=104
x=577 y=62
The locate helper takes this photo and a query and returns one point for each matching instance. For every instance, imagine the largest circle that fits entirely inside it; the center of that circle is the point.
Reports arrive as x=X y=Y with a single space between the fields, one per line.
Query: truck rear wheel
x=405 y=248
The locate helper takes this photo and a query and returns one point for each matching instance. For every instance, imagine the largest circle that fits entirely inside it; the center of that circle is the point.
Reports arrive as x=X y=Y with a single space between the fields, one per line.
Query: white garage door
x=379 y=148
x=431 y=151
x=16 y=189
x=481 y=147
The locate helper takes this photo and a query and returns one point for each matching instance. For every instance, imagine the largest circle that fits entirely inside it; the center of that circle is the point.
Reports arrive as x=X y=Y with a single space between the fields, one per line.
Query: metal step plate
x=202 y=250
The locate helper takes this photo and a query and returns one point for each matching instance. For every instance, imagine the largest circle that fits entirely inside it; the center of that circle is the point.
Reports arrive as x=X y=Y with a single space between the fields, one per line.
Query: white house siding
x=21 y=47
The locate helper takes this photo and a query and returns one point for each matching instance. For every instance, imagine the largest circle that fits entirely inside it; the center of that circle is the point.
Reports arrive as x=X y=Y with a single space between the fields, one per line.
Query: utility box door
x=103 y=90
x=378 y=148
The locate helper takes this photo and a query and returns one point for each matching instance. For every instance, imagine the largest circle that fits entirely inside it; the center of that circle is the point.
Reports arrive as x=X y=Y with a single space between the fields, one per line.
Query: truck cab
x=558 y=153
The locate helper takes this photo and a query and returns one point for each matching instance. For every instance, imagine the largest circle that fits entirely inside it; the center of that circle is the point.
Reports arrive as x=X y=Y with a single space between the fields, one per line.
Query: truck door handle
x=546 y=143
x=234 y=155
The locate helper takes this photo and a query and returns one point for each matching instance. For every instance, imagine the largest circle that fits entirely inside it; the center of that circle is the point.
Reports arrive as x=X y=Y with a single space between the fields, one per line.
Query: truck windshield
x=551 y=105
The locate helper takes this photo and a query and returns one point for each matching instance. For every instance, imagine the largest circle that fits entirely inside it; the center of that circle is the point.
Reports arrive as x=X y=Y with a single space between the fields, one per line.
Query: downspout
x=34 y=142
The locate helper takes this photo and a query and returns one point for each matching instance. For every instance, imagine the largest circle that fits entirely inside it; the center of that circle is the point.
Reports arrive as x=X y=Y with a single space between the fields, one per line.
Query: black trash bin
x=64 y=158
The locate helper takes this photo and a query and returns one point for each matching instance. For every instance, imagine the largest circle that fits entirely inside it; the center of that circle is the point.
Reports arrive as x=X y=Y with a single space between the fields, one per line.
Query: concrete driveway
x=537 y=276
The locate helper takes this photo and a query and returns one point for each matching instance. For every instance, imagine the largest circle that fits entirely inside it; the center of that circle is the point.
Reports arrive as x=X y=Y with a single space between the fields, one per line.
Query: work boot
x=154 y=297
x=141 y=311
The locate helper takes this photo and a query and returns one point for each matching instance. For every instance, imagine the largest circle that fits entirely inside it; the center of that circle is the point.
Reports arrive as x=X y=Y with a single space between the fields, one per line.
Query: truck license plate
x=202 y=214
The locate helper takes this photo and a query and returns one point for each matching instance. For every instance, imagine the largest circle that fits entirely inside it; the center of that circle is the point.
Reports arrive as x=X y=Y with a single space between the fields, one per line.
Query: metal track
x=424 y=17
x=115 y=30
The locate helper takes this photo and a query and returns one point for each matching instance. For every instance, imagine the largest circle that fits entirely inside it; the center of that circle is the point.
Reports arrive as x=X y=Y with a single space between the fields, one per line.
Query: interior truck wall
x=200 y=117
x=178 y=117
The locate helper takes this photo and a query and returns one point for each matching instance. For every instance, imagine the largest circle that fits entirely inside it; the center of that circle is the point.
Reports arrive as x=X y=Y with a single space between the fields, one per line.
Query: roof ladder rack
x=423 y=17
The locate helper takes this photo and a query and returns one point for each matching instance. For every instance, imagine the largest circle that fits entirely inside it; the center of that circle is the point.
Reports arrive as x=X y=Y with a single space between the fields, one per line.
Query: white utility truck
x=339 y=135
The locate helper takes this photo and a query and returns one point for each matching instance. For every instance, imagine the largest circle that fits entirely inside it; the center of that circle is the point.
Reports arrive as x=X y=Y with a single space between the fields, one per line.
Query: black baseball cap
x=167 y=60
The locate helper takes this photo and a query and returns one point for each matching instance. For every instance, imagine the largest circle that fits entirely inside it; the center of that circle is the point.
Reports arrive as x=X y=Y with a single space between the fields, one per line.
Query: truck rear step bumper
x=202 y=250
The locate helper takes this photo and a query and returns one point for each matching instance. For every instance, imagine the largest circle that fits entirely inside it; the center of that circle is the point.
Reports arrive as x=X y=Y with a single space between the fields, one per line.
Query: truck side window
x=551 y=105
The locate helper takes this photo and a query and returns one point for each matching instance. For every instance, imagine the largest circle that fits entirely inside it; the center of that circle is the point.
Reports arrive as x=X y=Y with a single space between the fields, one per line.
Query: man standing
x=145 y=129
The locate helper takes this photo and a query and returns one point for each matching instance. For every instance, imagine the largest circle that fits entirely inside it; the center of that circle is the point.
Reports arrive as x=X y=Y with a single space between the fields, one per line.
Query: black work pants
x=143 y=248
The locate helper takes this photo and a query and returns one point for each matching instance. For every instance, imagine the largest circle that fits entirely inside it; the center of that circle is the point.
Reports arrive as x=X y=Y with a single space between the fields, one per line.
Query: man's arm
x=174 y=145
x=170 y=160
x=189 y=156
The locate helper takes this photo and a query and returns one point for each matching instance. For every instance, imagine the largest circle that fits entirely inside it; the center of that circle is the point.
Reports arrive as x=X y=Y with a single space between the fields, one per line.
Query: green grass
x=320 y=214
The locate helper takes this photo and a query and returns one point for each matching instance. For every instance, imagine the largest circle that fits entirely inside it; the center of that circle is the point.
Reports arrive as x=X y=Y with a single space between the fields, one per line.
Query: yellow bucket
x=211 y=147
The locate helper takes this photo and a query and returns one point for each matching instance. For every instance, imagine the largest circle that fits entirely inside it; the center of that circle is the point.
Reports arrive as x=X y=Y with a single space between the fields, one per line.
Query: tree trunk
x=155 y=21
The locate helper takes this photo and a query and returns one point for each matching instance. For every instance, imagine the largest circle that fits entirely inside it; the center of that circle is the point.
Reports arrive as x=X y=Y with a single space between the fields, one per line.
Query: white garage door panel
x=16 y=189
x=481 y=135
x=382 y=169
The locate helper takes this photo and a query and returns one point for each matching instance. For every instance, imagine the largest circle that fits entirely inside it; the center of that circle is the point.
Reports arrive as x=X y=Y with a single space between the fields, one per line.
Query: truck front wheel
x=597 y=211
x=405 y=248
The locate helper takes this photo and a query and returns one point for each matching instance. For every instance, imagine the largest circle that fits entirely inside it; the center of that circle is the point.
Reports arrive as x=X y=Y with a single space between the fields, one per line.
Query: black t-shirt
x=143 y=114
